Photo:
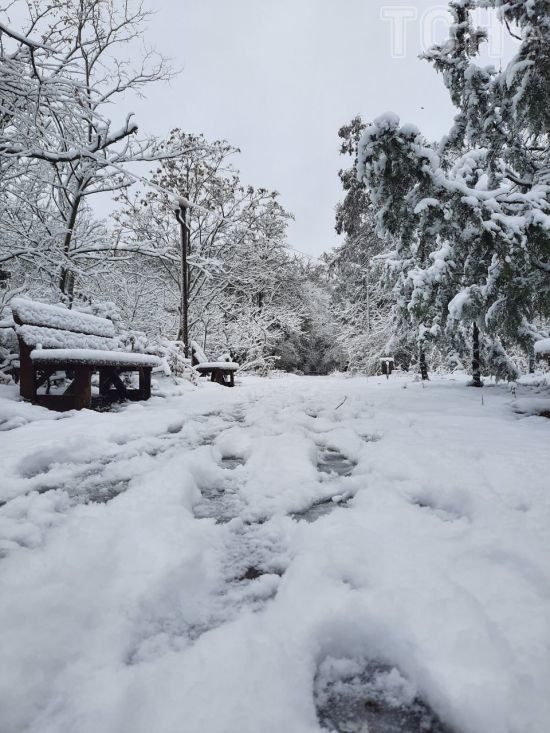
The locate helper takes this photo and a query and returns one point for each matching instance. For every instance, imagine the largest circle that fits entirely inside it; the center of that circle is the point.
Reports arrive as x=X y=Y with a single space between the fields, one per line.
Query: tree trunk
x=423 y=365
x=476 y=364
x=66 y=277
x=531 y=362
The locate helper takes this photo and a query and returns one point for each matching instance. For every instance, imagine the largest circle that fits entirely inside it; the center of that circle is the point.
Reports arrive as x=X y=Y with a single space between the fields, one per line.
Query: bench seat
x=208 y=366
x=93 y=357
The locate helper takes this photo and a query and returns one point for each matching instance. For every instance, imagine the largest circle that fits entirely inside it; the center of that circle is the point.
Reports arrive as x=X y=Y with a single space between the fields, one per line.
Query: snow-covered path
x=162 y=569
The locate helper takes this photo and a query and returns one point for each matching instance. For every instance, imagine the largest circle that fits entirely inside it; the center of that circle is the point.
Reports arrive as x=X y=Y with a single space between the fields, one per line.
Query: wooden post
x=181 y=216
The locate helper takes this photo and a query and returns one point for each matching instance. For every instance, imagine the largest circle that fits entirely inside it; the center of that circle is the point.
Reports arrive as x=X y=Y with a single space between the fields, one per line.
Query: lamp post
x=181 y=216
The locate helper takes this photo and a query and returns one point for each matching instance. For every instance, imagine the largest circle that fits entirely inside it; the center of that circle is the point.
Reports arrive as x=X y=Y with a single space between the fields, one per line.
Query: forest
x=444 y=260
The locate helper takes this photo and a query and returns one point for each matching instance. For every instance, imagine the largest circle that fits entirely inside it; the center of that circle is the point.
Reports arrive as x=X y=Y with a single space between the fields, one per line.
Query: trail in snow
x=291 y=554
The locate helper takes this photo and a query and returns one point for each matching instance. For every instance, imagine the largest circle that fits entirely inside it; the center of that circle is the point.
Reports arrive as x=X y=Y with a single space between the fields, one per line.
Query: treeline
x=61 y=75
x=445 y=256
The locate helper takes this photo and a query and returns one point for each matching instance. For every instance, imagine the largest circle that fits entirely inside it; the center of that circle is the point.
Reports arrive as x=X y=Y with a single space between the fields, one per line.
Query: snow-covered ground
x=238 y=561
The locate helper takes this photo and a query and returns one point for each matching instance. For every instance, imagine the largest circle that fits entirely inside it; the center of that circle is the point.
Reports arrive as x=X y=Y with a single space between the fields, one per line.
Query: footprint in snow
x=332 y=461
x=353 y=696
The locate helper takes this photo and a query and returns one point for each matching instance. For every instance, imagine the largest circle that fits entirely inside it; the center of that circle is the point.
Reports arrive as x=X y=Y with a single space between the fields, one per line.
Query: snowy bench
x=542 y=349
x=387 y=365
x=221 y=371
x=53 y=339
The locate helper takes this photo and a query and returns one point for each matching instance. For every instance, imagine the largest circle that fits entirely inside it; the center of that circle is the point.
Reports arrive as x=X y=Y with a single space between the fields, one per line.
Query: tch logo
x=409 y=28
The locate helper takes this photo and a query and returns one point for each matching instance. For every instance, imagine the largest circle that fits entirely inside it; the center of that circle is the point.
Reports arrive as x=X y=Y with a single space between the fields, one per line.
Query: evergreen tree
x=361 y=304
x=471 y=215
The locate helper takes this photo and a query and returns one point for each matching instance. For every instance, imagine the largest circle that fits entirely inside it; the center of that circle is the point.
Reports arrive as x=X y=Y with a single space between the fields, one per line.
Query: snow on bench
x=51 y=338
x=221 y=371
x=198 y=353
x=229 y=366
x=542 y=347
x=54 y=316
x=94 y=357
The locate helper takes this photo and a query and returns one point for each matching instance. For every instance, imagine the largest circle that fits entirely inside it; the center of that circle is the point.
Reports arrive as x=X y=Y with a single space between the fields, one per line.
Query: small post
x=422 y=363
x=476 y=362
x=181 y=216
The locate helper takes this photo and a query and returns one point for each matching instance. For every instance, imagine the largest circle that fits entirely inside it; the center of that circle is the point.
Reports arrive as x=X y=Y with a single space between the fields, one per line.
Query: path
x=265 y=558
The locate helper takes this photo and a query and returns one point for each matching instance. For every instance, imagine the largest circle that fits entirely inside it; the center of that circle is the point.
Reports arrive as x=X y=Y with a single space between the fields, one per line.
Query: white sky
x=277 y=78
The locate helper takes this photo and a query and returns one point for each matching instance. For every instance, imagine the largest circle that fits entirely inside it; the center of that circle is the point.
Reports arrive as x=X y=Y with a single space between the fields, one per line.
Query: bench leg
x=80 y=389
x=110 y=376
x=145 y=383
x=119 y=384
x=104 y=381
x=27 y=375
x=46 y=374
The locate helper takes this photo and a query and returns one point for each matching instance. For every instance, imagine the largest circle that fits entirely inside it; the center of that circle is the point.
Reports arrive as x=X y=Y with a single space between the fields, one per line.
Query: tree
x=57 y=147
x=242 y=284
x=362 y=302
x=471 y=215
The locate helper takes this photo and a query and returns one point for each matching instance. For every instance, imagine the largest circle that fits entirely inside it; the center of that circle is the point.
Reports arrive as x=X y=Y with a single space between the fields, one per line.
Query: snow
x=387 y=121
x=227 y=365
x=458 y=303
x=125 y=605
x=53 y=338
x=425 y=204
x=198 y=352
x=94 y=356
x=42 y=314
x=542 y=346
x=204 y=364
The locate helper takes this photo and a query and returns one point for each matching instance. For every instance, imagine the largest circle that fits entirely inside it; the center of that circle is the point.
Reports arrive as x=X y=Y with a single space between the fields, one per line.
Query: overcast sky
x=277 y=78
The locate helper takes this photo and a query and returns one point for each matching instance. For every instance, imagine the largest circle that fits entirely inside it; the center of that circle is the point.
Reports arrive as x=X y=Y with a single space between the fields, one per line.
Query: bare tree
x=57 y=145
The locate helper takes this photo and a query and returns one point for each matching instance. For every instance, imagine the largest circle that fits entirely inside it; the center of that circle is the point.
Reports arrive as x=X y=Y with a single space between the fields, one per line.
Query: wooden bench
x=222 y=371
x=542 y=349
x=54 y=339
x=387 y=365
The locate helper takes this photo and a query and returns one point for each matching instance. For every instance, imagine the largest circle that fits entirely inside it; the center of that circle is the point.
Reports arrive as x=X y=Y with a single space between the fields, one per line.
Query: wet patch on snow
x=255 y=550
x=360 y=696
x=104 y=492
x=254 y=572
x=371 y=438
x=236 y=417
x=171 y=620
x=232 y=462
x=333 y=462
x=218 y=503
x=321 y=508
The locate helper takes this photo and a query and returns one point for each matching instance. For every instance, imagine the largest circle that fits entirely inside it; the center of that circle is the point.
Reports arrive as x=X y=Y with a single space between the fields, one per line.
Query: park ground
x=292 y=554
